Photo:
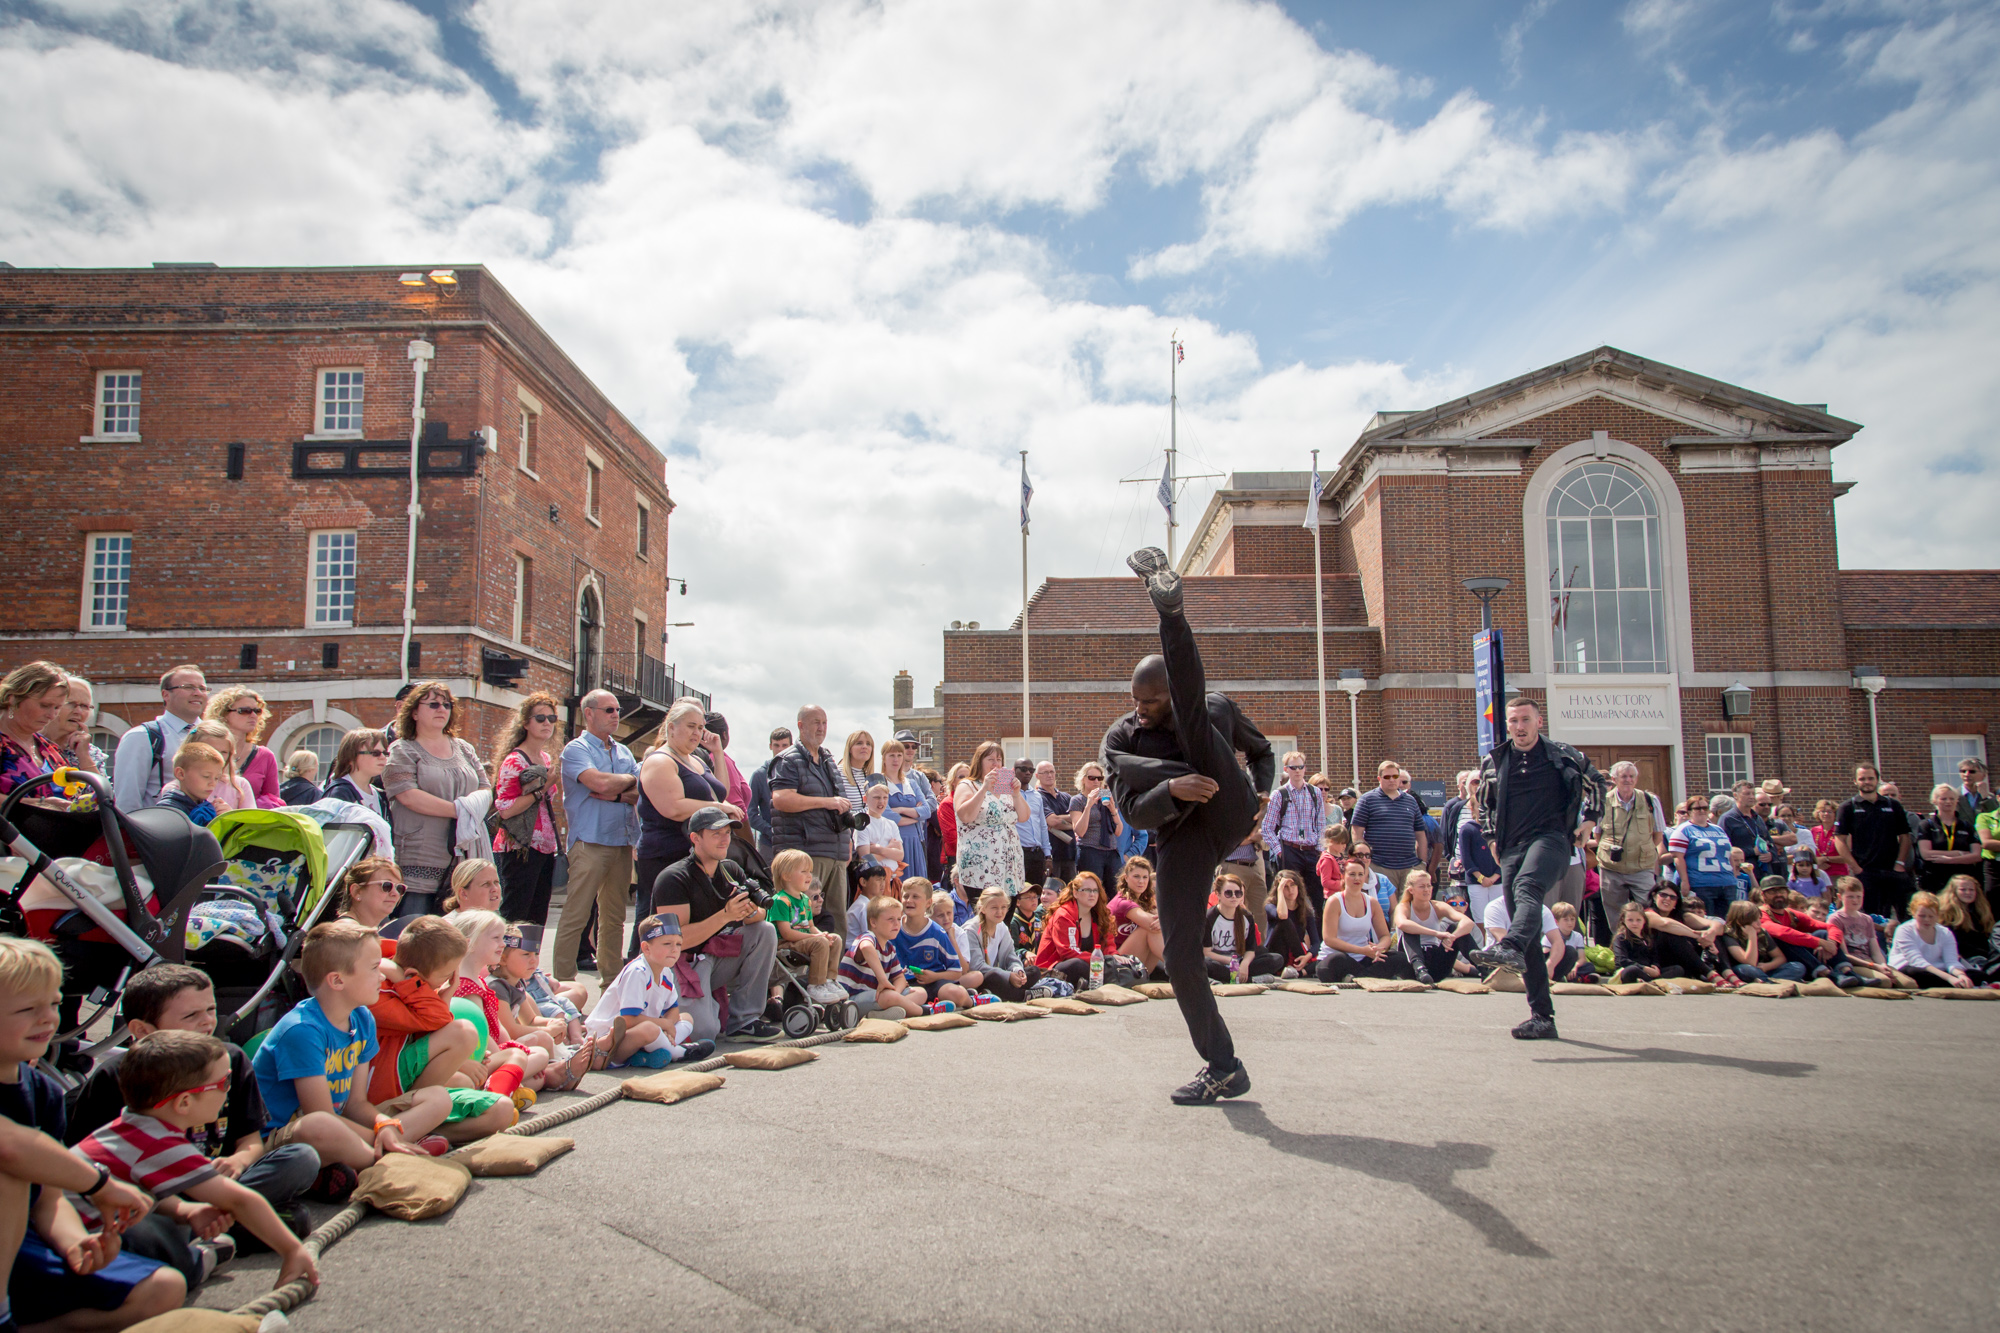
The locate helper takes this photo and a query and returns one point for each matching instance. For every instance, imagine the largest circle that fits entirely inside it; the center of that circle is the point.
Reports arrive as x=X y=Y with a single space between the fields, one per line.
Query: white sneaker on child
x=827 y=992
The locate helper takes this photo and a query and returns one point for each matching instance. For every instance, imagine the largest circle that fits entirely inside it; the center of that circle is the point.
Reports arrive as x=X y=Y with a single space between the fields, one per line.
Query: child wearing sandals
x=520 y=955
x=870 y=964
x=423 y=1045
x=638 y=1021
x=515 y=1053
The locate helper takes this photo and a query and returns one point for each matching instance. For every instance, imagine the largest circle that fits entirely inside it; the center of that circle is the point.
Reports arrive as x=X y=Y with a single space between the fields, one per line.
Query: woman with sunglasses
x=527 y=873
x=430 y=768
x=242 y=710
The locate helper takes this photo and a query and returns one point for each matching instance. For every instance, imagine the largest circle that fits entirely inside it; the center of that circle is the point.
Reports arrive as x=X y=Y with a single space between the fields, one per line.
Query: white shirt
x=135 y=779
x=1499 y=918
x=882 y=831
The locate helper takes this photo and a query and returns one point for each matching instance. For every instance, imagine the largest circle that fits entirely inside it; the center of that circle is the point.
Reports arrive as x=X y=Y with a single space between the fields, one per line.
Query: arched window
x=322 y=740
x=1607 y=590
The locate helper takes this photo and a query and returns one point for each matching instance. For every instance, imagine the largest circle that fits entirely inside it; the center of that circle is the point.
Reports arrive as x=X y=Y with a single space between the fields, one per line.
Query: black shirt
x=1956 y=836
x=1873 y=827
x=1534 y=798
x=815 y=832
x=97 y=1103
x=692 y=896
x=36 y=1102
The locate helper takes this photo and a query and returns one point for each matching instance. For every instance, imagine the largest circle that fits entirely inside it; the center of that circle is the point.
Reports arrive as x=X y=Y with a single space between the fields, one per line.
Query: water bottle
x=1096 y=968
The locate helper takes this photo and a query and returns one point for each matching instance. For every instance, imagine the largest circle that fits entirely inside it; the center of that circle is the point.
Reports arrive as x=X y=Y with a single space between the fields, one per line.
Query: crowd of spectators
x=861 y=877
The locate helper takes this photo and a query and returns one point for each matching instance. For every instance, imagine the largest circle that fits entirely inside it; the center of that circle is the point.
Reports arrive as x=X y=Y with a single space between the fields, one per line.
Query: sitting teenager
x=1135 y=916
x=61 y=1273
x=1924 y=950
x=1683 y=937
x=1080 y=923
x=1575 y=965
x=1963 y=911
x=1800 y=938
x=929 y=956
x=1436 y=937
x=638 y=1021
x=1291 y=927
x=1750 y=952
x=199 y=770
x=989 y=951
x=1499 y=918
x=1230 y=939
x=1857 y=934
x=1354 y=935
x=800 y=942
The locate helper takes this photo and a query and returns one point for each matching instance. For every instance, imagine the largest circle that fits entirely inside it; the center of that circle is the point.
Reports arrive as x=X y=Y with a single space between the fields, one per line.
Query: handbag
x=519 y=828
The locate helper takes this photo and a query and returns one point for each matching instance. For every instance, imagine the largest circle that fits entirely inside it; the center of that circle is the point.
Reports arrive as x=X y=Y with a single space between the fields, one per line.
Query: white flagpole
x=1025 y=732
x=1319 y=606
x=1173 y=434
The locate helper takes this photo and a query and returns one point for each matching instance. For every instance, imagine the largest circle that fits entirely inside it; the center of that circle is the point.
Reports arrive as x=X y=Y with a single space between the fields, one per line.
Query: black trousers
x=1886 y=893
x=1528 y=871
x=1035 y=866
x=1338 y=966
x=1195 y=844
x=1305 y=861
x=1433 y=955
x=1002 y=983
x=527 y=879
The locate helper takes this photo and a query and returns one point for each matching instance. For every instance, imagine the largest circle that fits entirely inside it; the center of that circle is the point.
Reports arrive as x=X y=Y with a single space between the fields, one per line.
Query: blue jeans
x=1787 y=972
x=282 y=1174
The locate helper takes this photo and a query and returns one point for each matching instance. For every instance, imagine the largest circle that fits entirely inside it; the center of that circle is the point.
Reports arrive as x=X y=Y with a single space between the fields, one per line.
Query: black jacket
x=1583 y=789
x=1140 y=761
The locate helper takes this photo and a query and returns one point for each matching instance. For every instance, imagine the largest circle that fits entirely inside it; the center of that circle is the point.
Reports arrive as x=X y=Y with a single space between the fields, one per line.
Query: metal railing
x=638 y=674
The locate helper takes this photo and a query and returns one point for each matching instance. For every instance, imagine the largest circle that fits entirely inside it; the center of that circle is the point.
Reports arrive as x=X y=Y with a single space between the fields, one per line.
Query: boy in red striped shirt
x=175 y=1082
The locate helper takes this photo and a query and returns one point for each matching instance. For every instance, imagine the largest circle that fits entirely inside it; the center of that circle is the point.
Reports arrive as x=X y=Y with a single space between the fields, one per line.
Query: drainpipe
x=421 y=353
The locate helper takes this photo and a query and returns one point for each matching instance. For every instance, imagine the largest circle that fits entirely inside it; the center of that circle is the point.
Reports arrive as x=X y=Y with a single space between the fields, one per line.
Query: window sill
x=100 y=629
x=329 y=625
x=525 y=470
x=643 y=556
x=318 y=436
x=107 y=439
x=594 y=520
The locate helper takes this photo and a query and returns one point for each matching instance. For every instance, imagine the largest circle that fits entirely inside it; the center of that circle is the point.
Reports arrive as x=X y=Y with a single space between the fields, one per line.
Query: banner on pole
x=1488 y=670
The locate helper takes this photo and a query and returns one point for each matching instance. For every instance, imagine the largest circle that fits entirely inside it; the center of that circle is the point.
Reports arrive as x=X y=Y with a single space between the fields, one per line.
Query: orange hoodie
x=405 y=1009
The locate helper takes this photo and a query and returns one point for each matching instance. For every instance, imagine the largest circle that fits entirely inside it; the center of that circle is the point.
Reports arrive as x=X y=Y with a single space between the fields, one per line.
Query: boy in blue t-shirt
x=926 y=952
x=61 y=1266
x=316 y=1059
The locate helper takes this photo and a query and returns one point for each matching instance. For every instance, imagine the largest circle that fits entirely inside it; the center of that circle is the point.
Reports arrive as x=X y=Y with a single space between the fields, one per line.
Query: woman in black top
x=1682 y=937
x=1291 y=926
x=1967 y=916
x=1231 y=945
x=674 y=782
x=1946 y=843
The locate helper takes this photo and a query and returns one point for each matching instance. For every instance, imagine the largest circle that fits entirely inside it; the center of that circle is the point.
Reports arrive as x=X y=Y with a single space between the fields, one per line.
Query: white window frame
x=313 y=620
x=87 y=611
x=1709 y=749
x=642 y=530
x=1977 y=750
x=298 y=742
x=523 y=573
x=528 y=434
x=106 y=385
x=642 y=633
x=1038 y=748
x=593 y=487
x=322 y=431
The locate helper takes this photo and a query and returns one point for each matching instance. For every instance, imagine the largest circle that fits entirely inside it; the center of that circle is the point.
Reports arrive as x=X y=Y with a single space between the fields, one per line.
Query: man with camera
x=809 y=812
x=723 y=916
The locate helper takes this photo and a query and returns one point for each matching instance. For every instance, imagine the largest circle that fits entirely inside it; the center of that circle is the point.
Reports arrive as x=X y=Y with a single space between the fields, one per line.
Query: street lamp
x=1485 y=589
x=1352 y=682
x=1871 y=679
x=1736 y=700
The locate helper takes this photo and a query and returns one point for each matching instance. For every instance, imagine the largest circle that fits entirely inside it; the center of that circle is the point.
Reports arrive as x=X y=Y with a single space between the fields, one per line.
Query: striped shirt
x=858 y=977
x=147 y=1153
x=1296 y=816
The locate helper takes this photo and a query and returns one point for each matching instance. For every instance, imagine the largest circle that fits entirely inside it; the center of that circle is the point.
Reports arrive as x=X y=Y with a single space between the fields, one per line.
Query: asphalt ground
x=1697 y=1162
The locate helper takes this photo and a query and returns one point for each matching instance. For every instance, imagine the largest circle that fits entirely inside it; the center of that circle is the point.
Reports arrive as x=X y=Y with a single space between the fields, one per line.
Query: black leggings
x=1428 y=954
x=1262 y=964
x=1339 y=966
x=1678 y=951
x=1002 y=983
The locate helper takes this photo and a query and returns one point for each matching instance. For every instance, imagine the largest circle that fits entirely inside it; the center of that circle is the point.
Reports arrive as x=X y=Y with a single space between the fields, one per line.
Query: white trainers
x=827 y=992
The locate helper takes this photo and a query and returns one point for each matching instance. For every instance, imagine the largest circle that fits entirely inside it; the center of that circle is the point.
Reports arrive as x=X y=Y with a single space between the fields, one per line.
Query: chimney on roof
x=904 y=692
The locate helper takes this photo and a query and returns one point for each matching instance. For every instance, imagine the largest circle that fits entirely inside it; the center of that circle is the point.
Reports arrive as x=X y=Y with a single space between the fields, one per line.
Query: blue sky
x=842 y=260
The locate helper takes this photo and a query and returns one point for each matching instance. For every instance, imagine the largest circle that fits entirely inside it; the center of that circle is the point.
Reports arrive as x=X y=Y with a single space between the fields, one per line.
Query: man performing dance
x=1531 y=790
x=1172 y=767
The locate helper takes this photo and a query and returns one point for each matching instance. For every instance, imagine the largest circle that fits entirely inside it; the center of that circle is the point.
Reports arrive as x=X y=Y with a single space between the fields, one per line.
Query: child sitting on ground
x=1752 y=955
x=198 y=771
x=927 y=954
x=799 y=941
x=310 y=1062
x=1858 y=935
x=175 y=998
x=520 y=954
x=175 y=1083
x=61 y=1268
x=422 y=1044
x=870 y=964
x=1575 y=967
x=638 y=1020
x=516 y=1054
x=870 y=882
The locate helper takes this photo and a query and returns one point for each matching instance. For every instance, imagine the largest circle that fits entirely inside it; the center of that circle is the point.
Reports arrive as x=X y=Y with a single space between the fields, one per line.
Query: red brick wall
x=1281 y=550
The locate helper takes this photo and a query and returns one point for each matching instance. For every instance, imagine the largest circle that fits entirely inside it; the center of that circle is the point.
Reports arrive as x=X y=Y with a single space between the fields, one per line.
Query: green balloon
x=469 y=1009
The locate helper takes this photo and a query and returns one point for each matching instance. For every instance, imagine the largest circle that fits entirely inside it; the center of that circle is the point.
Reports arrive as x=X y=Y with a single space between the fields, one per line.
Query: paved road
x=1673 y=1163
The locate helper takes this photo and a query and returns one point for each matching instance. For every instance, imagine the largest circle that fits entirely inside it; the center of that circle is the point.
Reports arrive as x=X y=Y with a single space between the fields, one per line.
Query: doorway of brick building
x=1655 y=764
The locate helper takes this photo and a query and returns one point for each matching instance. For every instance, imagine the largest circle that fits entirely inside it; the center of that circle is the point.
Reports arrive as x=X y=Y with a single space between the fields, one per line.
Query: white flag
x=1312 y=502
x=1166 y=491
x=1027 y=494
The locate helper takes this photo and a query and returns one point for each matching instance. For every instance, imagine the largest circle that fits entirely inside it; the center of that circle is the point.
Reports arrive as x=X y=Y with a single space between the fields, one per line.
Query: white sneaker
x=827 y=992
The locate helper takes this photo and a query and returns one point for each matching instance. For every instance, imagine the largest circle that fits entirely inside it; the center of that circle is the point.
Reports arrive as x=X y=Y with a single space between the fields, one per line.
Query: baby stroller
x=108 y=891
x=246 y=928
x=801 y=1015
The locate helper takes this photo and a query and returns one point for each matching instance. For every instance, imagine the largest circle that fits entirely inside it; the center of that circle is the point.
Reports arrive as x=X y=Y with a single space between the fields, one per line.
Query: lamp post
x=1871 y=679
x=1353 y=682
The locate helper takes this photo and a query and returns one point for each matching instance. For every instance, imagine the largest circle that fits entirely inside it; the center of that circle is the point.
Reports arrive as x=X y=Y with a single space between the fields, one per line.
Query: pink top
x=261 y=769
x=1857 y=934
x=738 y=792
x=507 y=790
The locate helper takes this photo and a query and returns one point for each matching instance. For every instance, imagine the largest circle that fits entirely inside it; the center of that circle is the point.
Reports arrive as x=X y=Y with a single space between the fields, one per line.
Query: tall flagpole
x=1319 y=605
x=1173 y=435
x=1026 y=491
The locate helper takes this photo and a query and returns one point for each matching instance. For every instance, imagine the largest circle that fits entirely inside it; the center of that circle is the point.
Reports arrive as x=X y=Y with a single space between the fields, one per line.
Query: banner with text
x=1488 y=673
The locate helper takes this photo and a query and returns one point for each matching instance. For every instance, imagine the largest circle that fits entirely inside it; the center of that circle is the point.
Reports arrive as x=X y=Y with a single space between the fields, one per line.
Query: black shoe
x=761 y=1030
x=335 y=1182
x=296 y=1219
x=1536 y=1028
x=1501 y=954
x=696 y=1050
x=1162 y=584
x=1206 y=1087
x=1848 y=981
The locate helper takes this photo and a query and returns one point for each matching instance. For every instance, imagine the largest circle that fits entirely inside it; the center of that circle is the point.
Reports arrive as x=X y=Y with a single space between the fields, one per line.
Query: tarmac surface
x=1698 y=1162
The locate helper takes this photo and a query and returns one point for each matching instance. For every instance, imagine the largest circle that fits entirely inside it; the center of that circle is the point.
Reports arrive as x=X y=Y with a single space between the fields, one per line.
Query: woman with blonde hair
x=474 y=887
x=1963 y=910
x=526 y=777
x=674 y=782
x=987 y=804
x=242 y=710
x=855 y=756
x=430 y=769
x=1924 y=950
x=909 y=806
x=301 y=784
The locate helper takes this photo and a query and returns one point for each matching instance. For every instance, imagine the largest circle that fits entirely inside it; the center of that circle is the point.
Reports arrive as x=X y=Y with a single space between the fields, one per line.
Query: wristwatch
x=103 y=1179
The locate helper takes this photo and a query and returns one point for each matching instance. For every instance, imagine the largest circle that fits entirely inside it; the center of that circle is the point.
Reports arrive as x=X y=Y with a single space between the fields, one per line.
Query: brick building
x=211 y=465
x=1668 y=538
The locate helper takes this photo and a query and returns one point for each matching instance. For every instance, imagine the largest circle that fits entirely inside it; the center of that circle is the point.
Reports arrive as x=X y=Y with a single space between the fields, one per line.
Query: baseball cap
x=711 y=817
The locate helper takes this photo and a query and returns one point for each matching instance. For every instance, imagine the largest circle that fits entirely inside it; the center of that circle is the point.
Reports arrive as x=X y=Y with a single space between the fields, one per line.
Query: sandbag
x=770 y=1057
x=674 y=1085
x=511 y=1154
x=1239 y=988
x=932 y=1023
x=1002 y=1013
x=1302 y=987
x=1687 y=986
x=1111 y=995
x=1579 y=988
x=1954 y=993
x=875 y=1029
x=1634 y=988
x=1821 y=986
x=1504 y=982
x=1156 y=990
x=1769 y=990
x=1464 y=986
x=1063 y=1005
x=1879 y=993
x=1390 y=985
x=413 y=1188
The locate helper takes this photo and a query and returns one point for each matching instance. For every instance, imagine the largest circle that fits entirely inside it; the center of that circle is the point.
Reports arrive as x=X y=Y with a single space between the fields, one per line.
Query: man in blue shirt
x=1391 y=820
x=600 y=789
x=1034 y=830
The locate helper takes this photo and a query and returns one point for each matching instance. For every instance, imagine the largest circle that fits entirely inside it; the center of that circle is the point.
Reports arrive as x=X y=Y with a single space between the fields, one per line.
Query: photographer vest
x=1631 y=831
